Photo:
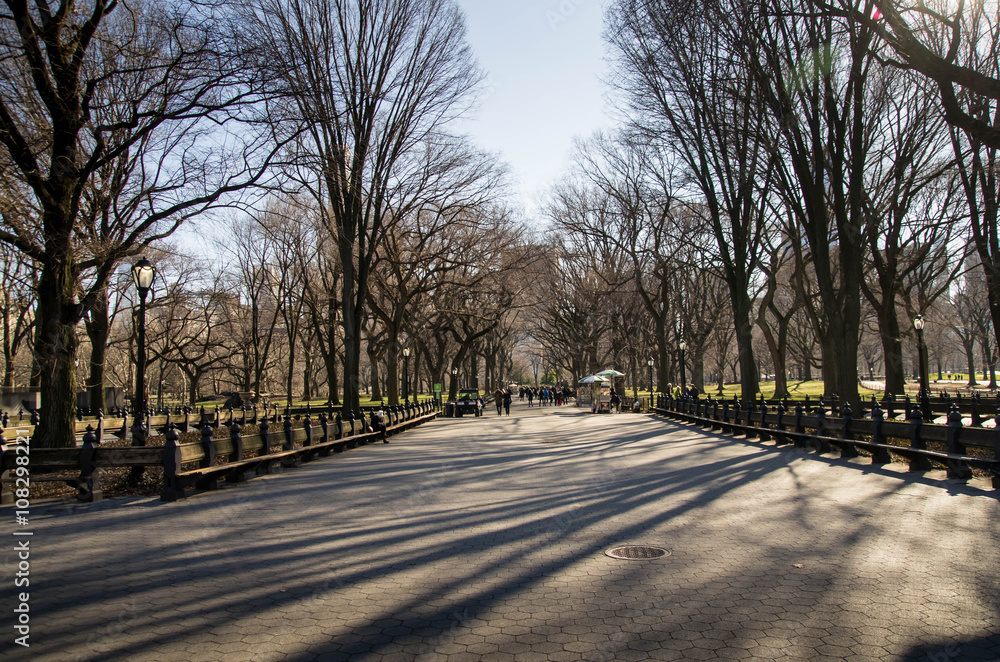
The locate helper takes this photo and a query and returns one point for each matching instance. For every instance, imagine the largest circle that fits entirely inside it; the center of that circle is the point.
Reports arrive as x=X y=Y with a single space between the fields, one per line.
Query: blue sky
x=544 y=60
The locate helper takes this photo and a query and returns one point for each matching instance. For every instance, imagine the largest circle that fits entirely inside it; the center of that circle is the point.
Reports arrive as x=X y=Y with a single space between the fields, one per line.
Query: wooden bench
x=76 y=467
x=79 y=467
x=177 y=482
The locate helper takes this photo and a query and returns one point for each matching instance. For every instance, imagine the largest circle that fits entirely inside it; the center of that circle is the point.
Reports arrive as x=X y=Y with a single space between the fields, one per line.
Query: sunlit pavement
x=484 y=539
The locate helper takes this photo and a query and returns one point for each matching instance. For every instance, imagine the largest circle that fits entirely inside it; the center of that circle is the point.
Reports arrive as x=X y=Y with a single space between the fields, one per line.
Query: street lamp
x=454 y=380
x=143 y=274
x=406 y=375
x=649 y=362
x=925 y=387
x=684 y=388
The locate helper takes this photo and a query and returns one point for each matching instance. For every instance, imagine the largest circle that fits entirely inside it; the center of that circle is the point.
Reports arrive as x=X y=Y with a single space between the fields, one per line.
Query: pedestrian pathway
x=485 y=539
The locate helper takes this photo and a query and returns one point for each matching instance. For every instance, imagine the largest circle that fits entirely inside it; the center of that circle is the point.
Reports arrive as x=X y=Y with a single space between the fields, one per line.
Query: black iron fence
x=954 y=445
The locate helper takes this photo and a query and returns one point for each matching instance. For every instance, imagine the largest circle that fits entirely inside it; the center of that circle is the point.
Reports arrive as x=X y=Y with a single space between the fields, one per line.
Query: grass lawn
x=797 y=389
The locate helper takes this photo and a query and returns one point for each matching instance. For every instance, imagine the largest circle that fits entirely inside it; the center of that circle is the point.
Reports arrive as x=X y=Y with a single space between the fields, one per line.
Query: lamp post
x=925 y=387
x=143 y=274
x=406 y=375
x=684 y=382
x=649 y=362
x=454 y=380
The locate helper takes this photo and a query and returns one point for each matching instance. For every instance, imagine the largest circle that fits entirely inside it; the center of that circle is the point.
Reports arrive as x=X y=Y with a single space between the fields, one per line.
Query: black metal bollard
x=957 y=469
x=236 y=441
x=88 y=484
x=847 y=417
x=996 y=449
x=172 y=488
x=324 y=424
x=289 y=440
x=879 y=455
x=208 y=459
x=917 y=462
x=750 y=411
x=265 y=439
x=308 y=441
x=779 y=425
x=976 y=420
x=349 y=420
x=289 y=437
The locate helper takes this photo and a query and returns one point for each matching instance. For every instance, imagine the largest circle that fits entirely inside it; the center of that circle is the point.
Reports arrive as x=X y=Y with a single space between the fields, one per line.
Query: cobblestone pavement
x=484 y=539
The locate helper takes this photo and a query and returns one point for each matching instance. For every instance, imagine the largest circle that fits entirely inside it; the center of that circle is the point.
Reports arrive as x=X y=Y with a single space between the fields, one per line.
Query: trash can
x=449 y=410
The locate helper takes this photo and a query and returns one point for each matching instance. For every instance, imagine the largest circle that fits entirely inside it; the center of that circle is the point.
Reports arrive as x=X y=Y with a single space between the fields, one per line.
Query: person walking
x=531 y=396
x=498 y=399
x=506 y=402
x=380 y=425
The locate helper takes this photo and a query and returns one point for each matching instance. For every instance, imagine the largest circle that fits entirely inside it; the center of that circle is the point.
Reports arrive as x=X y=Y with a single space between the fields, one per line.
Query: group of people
x=545 y=395
x=687 y=391
x=502 y=399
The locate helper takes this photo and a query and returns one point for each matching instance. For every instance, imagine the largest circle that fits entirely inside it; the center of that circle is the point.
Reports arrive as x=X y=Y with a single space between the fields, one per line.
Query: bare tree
x=17 y=298
x=441 y=212
x=822 y=108
x=83 y=86
x=625 y=203
x=954 y=44
x=687 y=89
x=370 y=82
x=193 y=330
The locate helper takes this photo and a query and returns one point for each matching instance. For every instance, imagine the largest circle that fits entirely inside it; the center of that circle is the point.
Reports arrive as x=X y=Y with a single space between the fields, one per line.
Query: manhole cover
x=637 y=552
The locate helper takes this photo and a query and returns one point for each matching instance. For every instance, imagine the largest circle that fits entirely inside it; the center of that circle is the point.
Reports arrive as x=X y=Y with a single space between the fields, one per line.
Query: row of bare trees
x=806 y=161
x=778 y=162
x=120 y=121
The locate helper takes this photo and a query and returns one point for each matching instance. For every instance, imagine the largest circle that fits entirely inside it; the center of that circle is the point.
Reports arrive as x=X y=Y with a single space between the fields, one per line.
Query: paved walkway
x=484 y=539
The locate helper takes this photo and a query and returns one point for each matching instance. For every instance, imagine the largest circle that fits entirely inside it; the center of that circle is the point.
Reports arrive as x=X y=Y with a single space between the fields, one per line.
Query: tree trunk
x=193 y=379
x=55 y=351
x=376 y=386
x=290 y=371
x=307 y=375
x=742 y=309
x=778 y=348
x=98 y=328
x=970 y=360
x=8 y=352
x=353 y=314
x=892 y=349
x=392 y=364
